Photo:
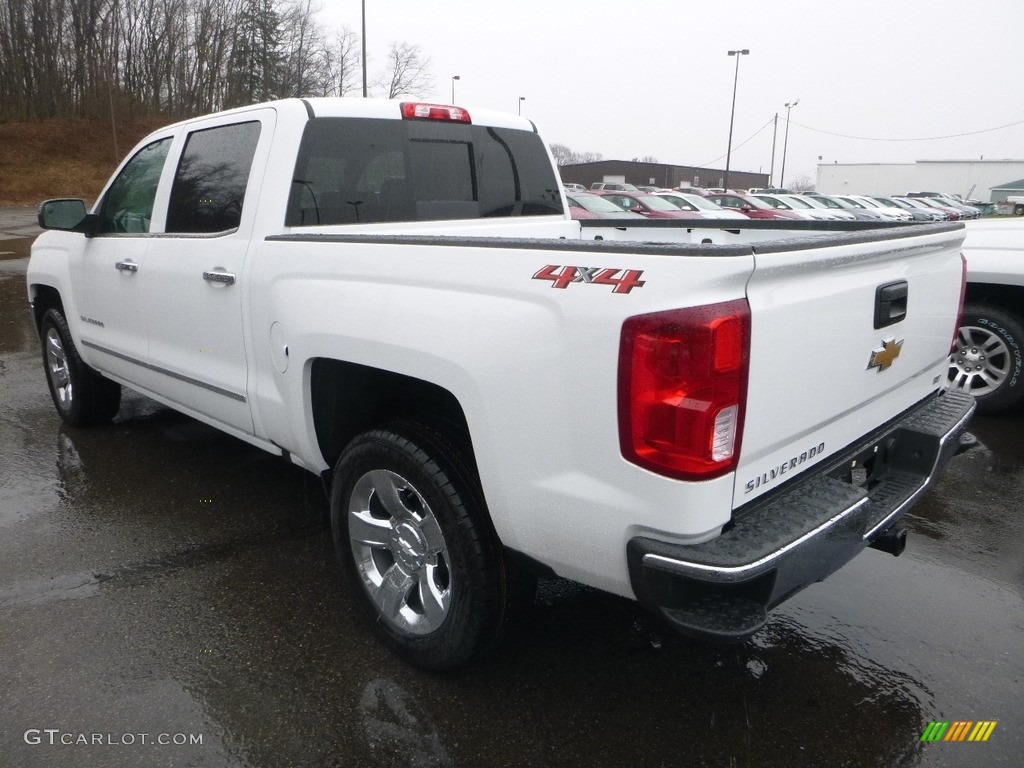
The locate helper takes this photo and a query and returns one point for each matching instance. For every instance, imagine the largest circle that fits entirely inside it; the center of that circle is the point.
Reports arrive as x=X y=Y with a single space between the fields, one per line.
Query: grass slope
x=63 y=157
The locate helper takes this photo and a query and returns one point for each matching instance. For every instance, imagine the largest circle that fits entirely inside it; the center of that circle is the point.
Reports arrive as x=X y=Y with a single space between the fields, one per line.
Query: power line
x=705 y=165
x=924 y=138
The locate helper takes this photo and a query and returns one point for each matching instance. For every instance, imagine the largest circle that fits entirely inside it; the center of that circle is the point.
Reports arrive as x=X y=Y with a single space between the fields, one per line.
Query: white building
x=977 y=179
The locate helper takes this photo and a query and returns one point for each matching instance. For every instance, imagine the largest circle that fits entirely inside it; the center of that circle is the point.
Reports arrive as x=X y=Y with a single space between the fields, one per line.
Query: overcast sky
x=629 y=79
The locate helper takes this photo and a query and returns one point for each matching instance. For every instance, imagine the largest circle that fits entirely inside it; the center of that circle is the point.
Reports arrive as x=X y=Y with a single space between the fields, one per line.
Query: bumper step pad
x=729 y=619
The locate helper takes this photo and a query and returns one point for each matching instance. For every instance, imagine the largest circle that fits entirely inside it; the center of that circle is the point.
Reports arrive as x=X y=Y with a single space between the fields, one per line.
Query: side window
x=209 y=185
x=128 y=205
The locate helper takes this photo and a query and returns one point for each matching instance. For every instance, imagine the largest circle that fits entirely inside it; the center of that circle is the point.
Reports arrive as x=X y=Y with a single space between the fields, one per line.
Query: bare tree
x=565 y=156
x=117 y=58
x=802 y=184
x=407 y=72
x=343 y=64
x=313 y=65
x=302 y=42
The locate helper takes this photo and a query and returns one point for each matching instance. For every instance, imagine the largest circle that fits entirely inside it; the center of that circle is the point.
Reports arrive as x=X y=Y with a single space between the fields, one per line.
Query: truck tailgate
x=844 y=337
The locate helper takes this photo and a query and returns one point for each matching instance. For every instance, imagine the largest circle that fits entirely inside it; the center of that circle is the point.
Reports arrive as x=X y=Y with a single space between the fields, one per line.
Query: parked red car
x=751 y=207
x=586 y=205
x=647 y=205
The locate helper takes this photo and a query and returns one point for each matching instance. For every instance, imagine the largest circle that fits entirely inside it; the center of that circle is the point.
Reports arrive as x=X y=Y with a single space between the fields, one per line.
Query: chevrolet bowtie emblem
x=883 y=358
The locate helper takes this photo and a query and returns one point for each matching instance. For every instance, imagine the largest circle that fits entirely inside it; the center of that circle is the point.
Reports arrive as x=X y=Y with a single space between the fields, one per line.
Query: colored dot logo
x=959 y=730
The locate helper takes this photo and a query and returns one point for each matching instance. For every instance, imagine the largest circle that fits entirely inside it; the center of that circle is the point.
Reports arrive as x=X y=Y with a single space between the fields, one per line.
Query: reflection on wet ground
x=157 y=577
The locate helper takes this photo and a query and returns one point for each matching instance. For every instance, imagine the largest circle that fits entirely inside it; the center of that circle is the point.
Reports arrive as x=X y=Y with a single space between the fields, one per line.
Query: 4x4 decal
x=563 y=277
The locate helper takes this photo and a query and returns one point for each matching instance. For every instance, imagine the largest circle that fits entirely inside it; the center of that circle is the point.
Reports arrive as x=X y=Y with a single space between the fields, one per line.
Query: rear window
x=357 y=171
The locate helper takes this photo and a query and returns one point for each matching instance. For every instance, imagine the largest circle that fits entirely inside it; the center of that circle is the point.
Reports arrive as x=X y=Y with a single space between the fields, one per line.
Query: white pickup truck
x=704 y=416
x=987 y=361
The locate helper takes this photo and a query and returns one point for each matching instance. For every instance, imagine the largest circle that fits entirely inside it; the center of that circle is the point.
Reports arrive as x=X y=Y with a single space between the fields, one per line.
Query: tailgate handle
x=890 y=303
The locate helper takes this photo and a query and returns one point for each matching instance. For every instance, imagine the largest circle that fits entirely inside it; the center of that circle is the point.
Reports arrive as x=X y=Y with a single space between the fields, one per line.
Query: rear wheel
x=1018 y=209
x=81 y=395
x=987 y=360
x=411 y=532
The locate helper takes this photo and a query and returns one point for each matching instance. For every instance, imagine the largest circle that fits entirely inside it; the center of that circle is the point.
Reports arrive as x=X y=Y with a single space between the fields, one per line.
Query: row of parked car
x=616 y=199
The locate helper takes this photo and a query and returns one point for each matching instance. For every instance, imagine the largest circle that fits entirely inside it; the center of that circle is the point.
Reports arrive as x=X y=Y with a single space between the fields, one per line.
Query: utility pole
x=364 y=49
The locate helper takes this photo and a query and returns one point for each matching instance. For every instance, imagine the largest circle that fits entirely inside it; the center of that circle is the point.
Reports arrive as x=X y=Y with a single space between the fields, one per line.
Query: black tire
x=988 y=362
x=443 y=590
x=81 y=395
x=1018 y=210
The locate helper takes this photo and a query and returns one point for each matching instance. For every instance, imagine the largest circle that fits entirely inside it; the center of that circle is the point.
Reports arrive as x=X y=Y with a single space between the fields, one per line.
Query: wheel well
x=1009 y=297
x=44 y=297
x=348 y=399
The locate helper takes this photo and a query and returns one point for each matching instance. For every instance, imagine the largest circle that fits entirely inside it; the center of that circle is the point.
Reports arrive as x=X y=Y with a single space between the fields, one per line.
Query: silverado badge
x=885 y=356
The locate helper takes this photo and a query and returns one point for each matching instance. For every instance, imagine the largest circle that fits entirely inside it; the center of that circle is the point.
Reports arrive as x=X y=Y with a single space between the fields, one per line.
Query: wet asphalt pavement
x=162 y=582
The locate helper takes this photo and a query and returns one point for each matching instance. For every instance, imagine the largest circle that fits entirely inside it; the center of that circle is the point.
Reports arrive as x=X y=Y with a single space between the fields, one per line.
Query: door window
x=128 y=205
x=209 y=185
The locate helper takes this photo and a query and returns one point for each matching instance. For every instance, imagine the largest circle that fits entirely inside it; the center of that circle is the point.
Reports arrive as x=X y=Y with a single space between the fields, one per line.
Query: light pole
x=732 y=113
x=364 y=49
x=775 y=132
x=521 y=100
x=785 y=142
x=454 y=78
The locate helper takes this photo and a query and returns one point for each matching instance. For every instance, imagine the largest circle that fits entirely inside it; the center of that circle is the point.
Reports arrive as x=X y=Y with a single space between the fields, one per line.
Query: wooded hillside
x=61 y=157
x=179 y=58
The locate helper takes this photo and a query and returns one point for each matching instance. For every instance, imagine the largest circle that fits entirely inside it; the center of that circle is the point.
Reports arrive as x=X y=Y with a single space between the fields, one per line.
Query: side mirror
x=66 y=215
x=746 y=208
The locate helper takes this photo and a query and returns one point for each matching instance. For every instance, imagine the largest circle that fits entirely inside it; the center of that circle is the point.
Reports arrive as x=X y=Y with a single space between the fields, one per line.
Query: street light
x=521 y=100
x=785 y=142
x=732 y=114
x=454 y=78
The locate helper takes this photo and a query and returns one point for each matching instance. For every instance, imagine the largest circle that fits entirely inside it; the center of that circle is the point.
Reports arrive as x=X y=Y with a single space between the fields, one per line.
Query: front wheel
x=411 y=532
x=81 y=395
x=987 y=360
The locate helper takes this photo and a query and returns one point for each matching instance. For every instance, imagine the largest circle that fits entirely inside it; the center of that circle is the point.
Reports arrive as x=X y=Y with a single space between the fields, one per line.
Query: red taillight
x=963 y=299
x=682 y=389
x=415 y=111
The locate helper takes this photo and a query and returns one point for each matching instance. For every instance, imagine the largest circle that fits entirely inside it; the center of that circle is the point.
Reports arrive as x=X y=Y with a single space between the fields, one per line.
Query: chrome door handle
x=219 y=277
x=126 y=266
